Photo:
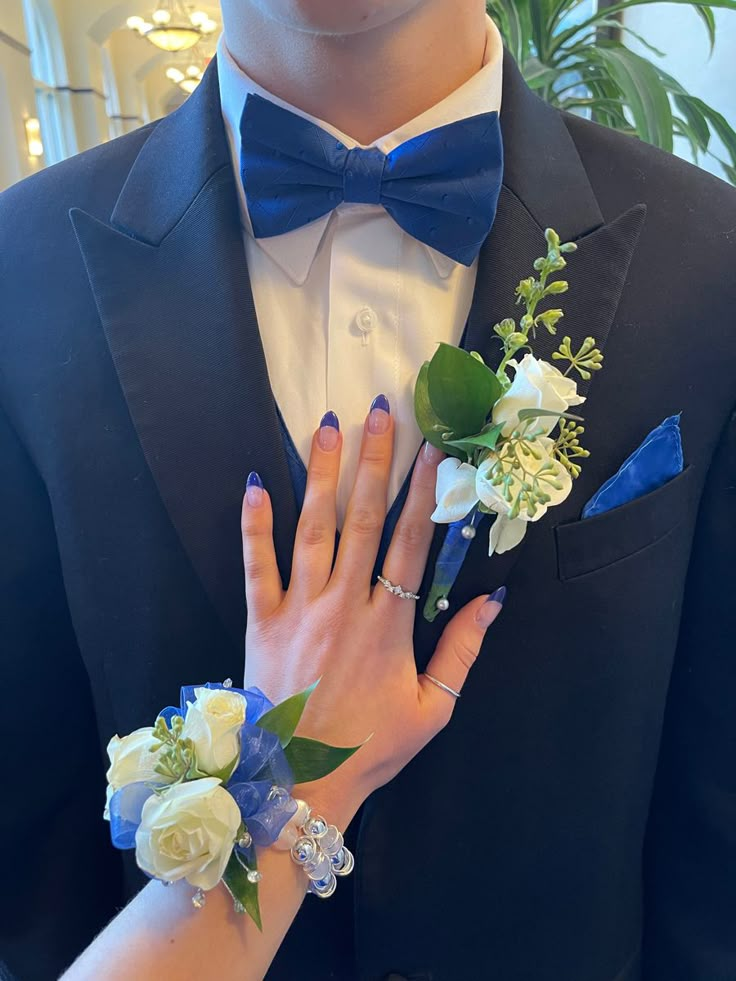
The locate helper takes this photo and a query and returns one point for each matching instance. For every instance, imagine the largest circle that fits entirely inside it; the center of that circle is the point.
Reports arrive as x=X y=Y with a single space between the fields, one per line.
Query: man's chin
x=335 y=17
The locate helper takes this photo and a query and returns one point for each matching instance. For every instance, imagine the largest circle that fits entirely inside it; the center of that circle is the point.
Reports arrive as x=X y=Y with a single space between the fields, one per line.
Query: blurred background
x=75 y=73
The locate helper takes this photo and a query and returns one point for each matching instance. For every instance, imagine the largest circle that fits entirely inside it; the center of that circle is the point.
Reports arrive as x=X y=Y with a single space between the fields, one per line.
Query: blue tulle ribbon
x=450 y=560
x=126 y=806
x=260 y=783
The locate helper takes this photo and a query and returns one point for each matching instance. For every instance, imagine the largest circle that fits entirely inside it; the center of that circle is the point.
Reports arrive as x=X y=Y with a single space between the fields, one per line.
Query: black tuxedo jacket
x=577 y=820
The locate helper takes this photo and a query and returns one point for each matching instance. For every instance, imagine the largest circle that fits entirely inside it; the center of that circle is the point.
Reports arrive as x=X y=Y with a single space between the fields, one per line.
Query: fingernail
x=432 y=454
x=254 y=490
x=491 y=608
x=379 y=415
x=329 y=428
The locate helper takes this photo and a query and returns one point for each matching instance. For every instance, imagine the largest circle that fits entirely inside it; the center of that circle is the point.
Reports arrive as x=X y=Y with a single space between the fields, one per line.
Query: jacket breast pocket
x=591 y=544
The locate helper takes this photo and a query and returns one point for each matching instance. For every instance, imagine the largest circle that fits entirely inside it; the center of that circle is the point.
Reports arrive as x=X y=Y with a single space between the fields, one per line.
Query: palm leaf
x=575 y=69
x=642 y=90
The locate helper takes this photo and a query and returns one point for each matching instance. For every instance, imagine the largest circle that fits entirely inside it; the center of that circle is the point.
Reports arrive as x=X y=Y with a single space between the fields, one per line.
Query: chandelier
x=172 y=26
x=188 y=79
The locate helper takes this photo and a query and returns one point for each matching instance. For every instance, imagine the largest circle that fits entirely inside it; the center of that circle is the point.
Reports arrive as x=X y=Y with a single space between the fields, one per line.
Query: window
x=49 y=72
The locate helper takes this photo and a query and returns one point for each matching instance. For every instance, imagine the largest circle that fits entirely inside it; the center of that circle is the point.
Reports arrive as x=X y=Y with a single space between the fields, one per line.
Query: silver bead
x=245 y=840
x=343 y=863
x=253 y=875
x=443 y=604
x=238 y=906
x=468 y=531
x=325 y=887
x=316 y=826
x=304 y=850
x=198 y=899
x=227 y=683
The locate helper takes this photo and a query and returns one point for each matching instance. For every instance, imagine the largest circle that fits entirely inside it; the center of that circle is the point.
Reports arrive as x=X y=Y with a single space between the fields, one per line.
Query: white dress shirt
x=350 y=305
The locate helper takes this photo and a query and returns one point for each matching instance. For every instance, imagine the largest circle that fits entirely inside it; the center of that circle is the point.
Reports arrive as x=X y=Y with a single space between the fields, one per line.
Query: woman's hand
x=334 y=624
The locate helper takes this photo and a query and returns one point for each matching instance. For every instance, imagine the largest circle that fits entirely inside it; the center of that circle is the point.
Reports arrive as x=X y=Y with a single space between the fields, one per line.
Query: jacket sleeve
x=690 y=848
x=60 y=874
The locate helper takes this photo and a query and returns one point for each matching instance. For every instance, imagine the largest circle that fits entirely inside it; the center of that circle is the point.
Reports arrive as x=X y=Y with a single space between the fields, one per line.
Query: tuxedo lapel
x=170 y=279
x=169 y=276
x=545 y=185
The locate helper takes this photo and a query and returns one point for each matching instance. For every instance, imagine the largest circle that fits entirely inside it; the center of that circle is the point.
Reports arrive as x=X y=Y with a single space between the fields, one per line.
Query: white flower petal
x=536 y=385
x=188 y=833
x=505 y=534
x=455 y=490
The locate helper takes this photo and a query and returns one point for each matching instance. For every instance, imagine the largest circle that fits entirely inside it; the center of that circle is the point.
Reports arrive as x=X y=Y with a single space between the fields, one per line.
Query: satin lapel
x=545 y=185
x=169 y=277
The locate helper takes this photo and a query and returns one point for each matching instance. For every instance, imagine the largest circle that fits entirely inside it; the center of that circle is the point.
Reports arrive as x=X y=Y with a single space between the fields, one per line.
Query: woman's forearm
x=161 y=934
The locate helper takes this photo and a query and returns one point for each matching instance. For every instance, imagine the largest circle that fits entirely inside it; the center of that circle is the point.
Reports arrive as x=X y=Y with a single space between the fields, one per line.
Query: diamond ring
x=397 y=590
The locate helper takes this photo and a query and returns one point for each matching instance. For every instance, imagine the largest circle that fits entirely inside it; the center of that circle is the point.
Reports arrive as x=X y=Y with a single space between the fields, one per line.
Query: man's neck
x=368 y=83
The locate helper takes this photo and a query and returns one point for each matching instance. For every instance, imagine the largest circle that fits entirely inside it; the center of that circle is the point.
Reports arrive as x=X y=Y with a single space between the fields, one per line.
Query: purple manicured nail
x=490 y=609
x=498 y=596
x=254 y=490
x=378 y=416
x=329 y=428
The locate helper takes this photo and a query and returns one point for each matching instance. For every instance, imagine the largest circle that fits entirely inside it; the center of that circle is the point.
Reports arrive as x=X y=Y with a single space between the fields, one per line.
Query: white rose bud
x=131 y=761
x=536 y=385
x=188 y=833
x=213 y=723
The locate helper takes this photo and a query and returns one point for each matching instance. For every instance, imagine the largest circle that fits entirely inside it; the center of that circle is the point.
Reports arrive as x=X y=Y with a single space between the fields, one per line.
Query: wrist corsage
x=513 y=448
x=198 y=792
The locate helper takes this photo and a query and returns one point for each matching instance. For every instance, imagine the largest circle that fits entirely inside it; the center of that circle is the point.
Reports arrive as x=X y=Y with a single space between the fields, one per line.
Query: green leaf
x=461 y=390
x=283 y=718
x=312 y=760
x=696 y=124
x=643 y=92
x=562 y=39
x=430 y=425
x=244 y=892
x=487 y=438
x=525 y=414
x=708 y=18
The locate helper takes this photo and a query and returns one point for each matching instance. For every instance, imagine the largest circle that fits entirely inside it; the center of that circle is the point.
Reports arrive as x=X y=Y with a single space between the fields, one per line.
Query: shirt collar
x=294 y=251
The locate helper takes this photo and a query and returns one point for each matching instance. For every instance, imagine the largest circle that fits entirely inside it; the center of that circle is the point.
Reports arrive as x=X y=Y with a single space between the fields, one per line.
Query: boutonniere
x=513 y=447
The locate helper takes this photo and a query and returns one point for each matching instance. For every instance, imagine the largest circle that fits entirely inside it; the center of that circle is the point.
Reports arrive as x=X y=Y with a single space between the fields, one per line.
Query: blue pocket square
x=658 y=459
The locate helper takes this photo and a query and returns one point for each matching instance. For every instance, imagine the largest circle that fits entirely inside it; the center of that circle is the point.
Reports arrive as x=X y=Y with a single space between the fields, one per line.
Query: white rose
x=213 y=723
x=131 y=761
x=455 y=490
x=507 y=533
x=536 y=385
x=188 y=833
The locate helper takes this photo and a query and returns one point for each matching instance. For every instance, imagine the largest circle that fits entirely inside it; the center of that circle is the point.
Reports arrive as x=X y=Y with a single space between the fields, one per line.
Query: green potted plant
x=581 y=63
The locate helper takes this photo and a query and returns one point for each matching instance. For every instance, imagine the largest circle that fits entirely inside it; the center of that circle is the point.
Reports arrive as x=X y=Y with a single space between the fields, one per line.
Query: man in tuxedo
x=576 y=821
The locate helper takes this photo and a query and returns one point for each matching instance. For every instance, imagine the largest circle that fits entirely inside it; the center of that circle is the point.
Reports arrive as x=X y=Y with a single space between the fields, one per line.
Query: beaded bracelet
x=318 y=848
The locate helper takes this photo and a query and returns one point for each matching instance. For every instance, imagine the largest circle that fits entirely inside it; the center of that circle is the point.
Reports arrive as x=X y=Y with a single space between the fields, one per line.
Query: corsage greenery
x=513 y=447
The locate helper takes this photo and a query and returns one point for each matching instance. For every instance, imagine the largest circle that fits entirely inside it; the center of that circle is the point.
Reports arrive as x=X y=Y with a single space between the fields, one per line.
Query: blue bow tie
x=441 y=187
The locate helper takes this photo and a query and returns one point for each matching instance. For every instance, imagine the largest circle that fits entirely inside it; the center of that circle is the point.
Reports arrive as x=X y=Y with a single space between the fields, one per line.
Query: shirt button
x=366 y=320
